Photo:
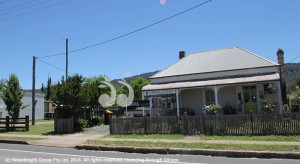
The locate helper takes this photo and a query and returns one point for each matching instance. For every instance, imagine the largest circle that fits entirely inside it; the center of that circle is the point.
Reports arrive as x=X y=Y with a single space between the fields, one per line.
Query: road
x=12 y=153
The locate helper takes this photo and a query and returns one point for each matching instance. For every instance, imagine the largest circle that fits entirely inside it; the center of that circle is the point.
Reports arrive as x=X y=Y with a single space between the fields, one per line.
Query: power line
x=56 y=13
x=17 y=5
x=25 y=7
x=3 y=1
x=35 y=10
x=294 y=59
x=52 y=65
x=132 y=32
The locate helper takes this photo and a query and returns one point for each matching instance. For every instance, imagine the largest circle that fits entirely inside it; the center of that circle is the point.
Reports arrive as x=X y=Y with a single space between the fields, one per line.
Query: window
x=249 y=93
x=209 y=97
x=164 y=102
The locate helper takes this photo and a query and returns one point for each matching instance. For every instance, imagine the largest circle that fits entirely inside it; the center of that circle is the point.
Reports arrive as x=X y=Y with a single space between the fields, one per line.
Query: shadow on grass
x=52 y=133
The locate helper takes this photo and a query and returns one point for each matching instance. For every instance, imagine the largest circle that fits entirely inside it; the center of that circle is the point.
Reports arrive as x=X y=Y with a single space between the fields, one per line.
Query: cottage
x=232 y=77
x=27 y=101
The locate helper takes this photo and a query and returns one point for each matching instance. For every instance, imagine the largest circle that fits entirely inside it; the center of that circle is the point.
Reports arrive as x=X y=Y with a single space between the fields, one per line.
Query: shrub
x=213 y=108
x=101 y=120
x=267 y=106
x=229 y=110
x=96 y=121
x=80 y=124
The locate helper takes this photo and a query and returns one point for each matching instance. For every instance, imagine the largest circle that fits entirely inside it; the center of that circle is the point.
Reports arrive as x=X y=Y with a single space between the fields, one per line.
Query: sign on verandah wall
x=143 y=103
x=159 y=92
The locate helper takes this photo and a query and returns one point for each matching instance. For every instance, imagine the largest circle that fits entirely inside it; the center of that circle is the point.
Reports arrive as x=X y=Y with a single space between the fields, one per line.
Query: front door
x=250 y=99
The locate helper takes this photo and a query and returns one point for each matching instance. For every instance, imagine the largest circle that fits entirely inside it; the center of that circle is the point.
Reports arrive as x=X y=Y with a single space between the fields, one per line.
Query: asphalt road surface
x=12 y=153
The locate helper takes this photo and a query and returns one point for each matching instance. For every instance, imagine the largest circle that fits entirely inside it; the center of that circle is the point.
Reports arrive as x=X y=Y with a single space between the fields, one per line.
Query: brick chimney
x=181 y=54
x=280 y=58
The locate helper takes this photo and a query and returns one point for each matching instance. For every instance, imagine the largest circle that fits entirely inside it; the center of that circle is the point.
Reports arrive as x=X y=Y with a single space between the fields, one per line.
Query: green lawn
x=150 y=136
x=252 y=138
x=198 y=145
x=45 y=128
x=19 y=138
x=43 y=120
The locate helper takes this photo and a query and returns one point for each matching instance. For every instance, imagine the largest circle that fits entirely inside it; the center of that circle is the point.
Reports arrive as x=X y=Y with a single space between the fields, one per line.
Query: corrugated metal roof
x=217 y=60
x=227 y=81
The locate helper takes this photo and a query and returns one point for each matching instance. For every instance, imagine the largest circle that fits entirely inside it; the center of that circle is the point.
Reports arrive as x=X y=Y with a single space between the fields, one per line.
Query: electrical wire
x=3 y=1
x=132 y=32
x=58 y=3
x=17 y=5
x=294 y=59
x=121 y=36
x=25 y=7
x=52 y=65
x=56 y=13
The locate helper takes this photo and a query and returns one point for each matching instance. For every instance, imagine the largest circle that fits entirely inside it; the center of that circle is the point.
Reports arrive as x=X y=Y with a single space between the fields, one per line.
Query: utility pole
x=33 y=91
x=67 y=60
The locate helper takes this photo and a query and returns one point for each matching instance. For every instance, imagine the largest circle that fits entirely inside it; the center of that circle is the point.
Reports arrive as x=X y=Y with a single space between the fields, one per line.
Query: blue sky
x=40 y=28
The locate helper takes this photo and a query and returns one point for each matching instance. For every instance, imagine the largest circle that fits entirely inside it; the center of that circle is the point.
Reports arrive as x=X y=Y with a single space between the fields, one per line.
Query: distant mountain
x=292 y=72
x=131 y=78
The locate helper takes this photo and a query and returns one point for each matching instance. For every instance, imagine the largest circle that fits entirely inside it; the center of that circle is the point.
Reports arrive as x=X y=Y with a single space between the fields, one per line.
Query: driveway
x=71 y=140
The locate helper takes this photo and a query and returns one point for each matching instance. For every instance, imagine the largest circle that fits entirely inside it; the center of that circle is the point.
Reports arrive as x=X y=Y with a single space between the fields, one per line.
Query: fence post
x=112 y=124
x=55 y=121
x=27 y=123
x=145 y=125
x=252 y=126
x=186 y=124
x=72 y=124
x=203 y=123
x=7 y=123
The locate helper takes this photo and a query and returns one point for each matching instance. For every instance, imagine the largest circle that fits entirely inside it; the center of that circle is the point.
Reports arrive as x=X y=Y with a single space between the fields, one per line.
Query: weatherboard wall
x=192 y=99
x=27 y=101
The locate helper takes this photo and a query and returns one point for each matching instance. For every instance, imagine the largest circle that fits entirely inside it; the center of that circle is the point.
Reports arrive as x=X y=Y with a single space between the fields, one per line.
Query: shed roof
x=233 y=58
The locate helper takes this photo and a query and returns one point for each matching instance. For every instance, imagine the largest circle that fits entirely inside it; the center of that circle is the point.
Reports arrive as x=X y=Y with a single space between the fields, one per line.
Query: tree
x=12 y=96
x=91 y=90
x=295 y=96
x=137 y=86
x=69 y=98
x=48 y=90
x=1 y=84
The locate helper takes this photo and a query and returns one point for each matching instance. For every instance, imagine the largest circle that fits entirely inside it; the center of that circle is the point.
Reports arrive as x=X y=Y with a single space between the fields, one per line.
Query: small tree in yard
x=68 y=97
x=48 y=90
x=294 y=97
x=137 y=85
x=12 y=96
x=91 y=90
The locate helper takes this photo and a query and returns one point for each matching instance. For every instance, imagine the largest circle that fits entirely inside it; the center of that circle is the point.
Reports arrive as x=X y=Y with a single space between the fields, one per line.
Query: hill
x=131 y=78
x=292 y=72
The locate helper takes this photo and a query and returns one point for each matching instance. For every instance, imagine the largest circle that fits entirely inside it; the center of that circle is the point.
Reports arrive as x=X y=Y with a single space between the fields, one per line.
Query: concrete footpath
x=78 y=141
